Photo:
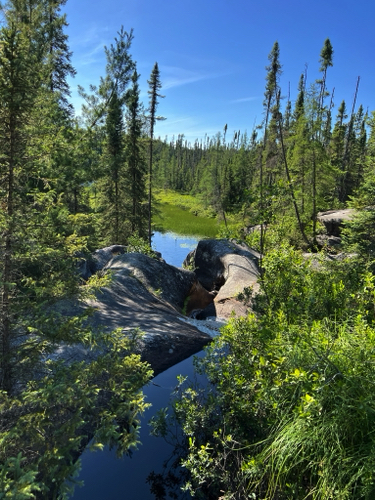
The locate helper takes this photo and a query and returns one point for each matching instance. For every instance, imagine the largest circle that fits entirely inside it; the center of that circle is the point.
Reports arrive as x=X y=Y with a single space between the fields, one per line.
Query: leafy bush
x=290 y=409
x=44 y=427
x=137 y=244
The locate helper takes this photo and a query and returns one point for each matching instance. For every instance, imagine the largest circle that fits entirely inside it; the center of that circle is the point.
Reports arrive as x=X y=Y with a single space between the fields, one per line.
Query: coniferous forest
x=290 y=409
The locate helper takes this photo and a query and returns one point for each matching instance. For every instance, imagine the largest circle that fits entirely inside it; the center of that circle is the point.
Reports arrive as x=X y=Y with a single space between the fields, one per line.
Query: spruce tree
x=136 y=169
x=270 y=107
x=299 y=108
x=326 y=60
x=154 y=88
x=44 y=403
x=337 y=147
x=319 y=127
x=114 y=170
x=113 y=92
x=59 y=53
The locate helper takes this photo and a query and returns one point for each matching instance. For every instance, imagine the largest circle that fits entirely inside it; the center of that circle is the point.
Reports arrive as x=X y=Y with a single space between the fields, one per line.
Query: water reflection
x=146 y=474
x=173 y=247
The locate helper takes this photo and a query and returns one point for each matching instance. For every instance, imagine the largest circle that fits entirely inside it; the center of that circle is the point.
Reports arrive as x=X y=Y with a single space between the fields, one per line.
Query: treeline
x=300 y=160
x=288 y=411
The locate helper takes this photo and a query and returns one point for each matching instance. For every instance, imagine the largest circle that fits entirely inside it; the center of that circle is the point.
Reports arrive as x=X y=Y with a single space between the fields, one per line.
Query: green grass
x=187 y=202
x=190 y=215
x=175 y=219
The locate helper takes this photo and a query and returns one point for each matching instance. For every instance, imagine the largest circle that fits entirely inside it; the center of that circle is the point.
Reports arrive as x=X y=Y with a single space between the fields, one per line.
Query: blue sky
x=212 y=54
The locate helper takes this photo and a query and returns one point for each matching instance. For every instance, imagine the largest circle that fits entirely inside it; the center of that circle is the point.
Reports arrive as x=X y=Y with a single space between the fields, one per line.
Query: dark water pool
x=108 y=478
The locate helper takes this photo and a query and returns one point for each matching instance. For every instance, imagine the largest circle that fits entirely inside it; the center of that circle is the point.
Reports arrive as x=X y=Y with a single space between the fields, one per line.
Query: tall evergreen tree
x=299 y=108
x=18 y=84
x=43 y=402
x=337 y=147
x=326 y=60
x=270 y=106
x=113 y=89
x=114 y=212
x=154 y=88
x=136 y=164
x=59 y=53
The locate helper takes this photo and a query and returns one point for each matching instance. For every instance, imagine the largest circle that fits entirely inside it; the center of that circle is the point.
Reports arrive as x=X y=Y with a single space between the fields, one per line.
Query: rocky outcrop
x=325 y=240
x=148 y=294
x=225 y=268
x=91 y=264
x=151 y=295
x=168 y=283
x=333 y=219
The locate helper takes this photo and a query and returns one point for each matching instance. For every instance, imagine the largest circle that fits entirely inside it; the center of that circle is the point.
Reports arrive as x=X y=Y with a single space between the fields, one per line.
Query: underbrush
x=290 y=409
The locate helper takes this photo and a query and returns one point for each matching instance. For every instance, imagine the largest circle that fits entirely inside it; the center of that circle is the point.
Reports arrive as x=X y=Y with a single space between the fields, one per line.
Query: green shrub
x=290 y=409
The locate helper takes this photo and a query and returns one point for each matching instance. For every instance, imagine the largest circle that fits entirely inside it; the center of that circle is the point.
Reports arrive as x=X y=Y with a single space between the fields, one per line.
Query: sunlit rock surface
x=225 y=268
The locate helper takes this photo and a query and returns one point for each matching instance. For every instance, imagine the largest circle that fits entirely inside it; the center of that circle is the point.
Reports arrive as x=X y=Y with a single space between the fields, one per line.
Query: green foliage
x=136 y=162
x=289 y=411
x=140 y=245
x=359 y=234
x=15 y=482
x=175 y=219
x=54 y=416
x=50 y=408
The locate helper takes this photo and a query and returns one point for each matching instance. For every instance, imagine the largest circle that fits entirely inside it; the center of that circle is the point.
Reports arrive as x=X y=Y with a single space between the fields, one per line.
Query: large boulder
x=147 y=294
x=333 y=220
x=225 y=268
x=171 y=284
x=89 y=265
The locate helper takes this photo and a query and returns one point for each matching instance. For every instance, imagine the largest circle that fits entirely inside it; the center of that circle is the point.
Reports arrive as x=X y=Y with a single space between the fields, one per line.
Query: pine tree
x=337 y=147
x=154 y=88
x=326 y=58
x=114 y=212
x=18 y=83
x=270 y=106
x=43 y=402
x=299 y=108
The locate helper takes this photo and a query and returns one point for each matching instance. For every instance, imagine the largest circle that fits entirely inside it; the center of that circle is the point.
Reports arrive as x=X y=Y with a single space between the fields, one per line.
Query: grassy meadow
x=184 y=214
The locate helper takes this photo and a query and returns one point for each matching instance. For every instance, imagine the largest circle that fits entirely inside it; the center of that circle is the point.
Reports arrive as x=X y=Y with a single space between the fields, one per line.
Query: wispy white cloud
x=244 y=99
x=88 y=48
x=174 y=76
x=93 y=56
x=89 y=36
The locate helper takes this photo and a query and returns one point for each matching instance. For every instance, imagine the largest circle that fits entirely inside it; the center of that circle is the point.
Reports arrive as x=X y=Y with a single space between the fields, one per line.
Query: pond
x=109 y=478
x=173 y=247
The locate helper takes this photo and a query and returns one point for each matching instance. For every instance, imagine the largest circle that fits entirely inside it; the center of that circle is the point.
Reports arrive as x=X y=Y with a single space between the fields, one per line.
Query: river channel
x=109 y=478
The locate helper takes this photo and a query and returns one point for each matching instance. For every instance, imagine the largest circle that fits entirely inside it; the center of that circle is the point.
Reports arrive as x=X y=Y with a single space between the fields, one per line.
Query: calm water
x=173 y=247
x=109 y=478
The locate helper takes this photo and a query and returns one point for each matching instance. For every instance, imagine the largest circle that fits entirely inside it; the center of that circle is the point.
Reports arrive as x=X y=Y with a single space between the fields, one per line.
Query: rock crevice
x=151 y=295
x=224 y=269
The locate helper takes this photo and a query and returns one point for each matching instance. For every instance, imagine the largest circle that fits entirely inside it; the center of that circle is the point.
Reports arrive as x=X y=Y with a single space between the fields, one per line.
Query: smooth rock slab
x=130 y=303
x=147 y=294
